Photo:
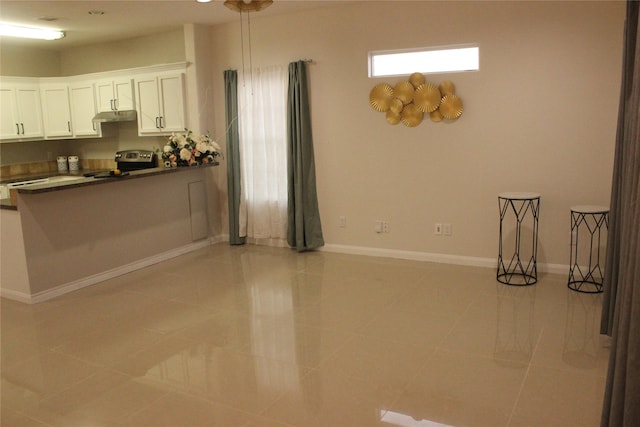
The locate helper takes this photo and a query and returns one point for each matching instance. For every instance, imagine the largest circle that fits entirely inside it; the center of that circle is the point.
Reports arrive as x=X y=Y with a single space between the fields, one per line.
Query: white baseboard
x=15 y=295
x=106 y=275
x=433 y=257
x=345 y=249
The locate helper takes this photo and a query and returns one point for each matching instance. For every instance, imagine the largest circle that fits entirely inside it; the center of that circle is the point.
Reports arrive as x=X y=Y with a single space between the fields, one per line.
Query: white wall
x=540 y=115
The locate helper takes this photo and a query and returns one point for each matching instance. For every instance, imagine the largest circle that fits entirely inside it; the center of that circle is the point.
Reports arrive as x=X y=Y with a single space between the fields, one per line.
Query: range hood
x=115 y=116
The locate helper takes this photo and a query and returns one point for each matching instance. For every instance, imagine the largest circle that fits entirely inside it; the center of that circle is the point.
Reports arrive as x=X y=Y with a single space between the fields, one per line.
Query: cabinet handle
x=161 y=122
x=69 y=125
x=18 y=128
x=22 y=126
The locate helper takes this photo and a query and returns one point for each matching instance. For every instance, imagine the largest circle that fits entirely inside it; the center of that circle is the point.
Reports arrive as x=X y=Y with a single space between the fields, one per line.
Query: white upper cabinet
x=83 y=110
x=21 y=116
x=160 y=103
x=56 y=111
x=36 y=108
x=114 y=95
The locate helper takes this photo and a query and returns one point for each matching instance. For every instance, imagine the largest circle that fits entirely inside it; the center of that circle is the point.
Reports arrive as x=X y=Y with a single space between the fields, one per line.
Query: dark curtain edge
x=233 y=155
x=304 y=229
x=621 y=302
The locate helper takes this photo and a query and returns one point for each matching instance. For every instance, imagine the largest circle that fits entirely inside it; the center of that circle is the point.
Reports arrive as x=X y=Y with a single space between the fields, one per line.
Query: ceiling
x=123 y=19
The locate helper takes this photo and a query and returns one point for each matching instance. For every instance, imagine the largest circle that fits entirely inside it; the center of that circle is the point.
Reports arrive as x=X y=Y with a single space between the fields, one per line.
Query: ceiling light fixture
x=30 y=32
x=248 y=5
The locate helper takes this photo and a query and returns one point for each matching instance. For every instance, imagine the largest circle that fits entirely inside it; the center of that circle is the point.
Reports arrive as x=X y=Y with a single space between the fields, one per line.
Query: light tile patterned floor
x=258 y=336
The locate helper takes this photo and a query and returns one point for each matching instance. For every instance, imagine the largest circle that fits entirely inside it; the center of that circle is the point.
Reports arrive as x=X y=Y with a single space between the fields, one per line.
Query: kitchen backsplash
x=47 y=167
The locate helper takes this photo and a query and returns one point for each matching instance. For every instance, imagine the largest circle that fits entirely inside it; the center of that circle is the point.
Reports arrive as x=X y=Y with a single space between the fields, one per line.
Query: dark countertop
x=89 y=181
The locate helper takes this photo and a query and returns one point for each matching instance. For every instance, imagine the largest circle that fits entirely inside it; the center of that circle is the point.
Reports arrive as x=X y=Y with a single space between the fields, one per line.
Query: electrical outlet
x=438 y=229
x=385 y=226
x=446 y=229
x=343 y=221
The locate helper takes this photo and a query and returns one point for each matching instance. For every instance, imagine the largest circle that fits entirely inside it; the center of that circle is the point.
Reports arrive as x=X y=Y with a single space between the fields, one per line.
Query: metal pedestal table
x=586 y=275
x=513 y=269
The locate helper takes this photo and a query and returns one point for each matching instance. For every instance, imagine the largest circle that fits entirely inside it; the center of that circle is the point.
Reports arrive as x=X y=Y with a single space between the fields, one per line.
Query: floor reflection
x=257 y=336
x=583 y=342
x=515 y=337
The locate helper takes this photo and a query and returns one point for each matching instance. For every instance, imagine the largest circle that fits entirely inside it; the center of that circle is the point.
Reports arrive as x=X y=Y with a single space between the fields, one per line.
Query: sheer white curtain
x=262 y=108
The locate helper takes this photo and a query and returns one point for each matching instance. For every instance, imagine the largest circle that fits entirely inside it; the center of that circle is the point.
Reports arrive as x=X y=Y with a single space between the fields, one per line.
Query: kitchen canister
x=62 y=164
x=73 y=164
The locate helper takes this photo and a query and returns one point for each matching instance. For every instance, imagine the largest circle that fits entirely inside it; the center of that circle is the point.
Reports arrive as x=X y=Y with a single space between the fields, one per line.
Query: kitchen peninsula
x=68 y=235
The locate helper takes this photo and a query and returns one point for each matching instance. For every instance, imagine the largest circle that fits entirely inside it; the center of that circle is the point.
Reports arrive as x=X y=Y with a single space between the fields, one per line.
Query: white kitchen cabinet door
x=115 y=95
x=148 y=105
x=30 y=111
x=105 y=95
x=172 y=102
x=56 y=111
x=83 y=110
x=123 y=90
x=9 y=121
x=21 y=105
x=160 y=104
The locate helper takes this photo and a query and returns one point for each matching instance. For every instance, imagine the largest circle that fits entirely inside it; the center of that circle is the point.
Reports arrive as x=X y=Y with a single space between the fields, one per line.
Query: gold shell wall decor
x=408 y=101
x=404 y=92
x=381 y=96
x=393 y=118
x=451 y=107
x=411 y=116
x=435 y=116
x=447 y=88
x=396 y=105
x=416 y=79
x=427 y=97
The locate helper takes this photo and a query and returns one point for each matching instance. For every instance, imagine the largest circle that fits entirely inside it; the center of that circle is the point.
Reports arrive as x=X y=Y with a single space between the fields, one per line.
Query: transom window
x=446 y=59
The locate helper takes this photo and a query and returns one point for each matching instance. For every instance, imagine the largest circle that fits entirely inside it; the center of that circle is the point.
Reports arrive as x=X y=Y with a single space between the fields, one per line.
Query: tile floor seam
x=524 y=380
x=145 y=407
x=31 y=417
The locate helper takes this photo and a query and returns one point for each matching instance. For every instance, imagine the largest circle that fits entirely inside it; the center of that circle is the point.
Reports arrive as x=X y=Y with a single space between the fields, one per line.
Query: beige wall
x=20 y=62
x=74 y=234
x=163 y=48
x=540 y=115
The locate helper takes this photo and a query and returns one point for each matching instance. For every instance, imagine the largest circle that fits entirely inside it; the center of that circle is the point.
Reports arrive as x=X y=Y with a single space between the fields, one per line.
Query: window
x=262 y=110
x=425 y=60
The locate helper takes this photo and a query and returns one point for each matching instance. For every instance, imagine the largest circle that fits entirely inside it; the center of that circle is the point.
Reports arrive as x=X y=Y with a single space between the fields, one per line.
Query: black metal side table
x=518 y=268
x=586 y=274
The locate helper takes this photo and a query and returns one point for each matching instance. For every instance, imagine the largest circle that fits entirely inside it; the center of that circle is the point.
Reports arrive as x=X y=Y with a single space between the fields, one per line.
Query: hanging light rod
x=29 y=32
x=248 y=5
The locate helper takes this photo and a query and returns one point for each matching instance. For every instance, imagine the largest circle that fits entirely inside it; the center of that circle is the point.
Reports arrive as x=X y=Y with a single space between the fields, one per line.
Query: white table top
x=519 y=195
x=589 y=209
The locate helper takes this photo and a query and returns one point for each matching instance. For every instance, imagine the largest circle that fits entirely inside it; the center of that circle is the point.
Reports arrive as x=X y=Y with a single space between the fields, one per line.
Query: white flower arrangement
x=187 y=150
